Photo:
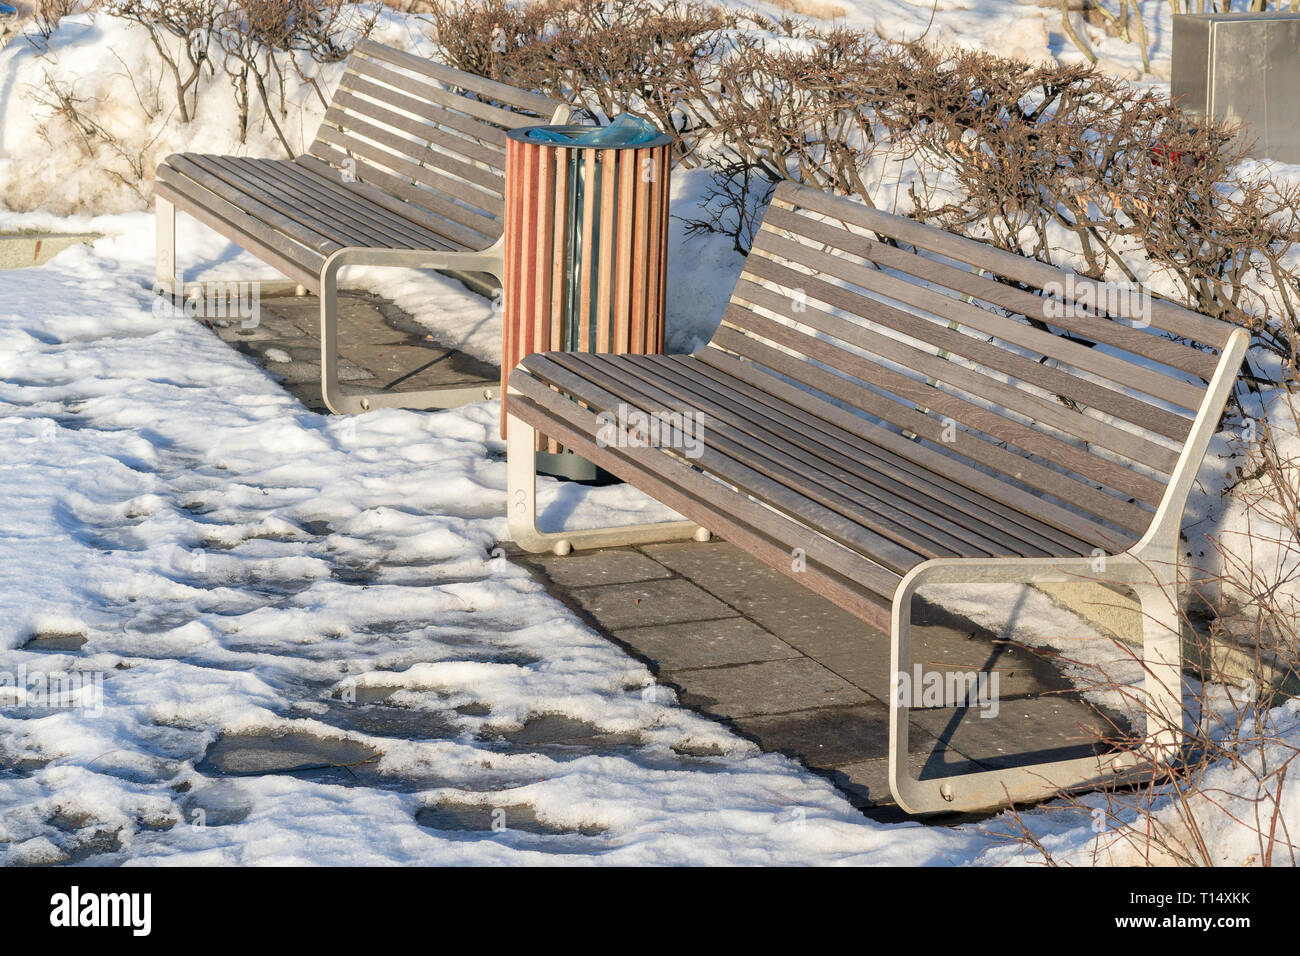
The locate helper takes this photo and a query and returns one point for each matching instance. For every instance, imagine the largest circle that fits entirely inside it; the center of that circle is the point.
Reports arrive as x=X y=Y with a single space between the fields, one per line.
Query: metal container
x=1242 y=67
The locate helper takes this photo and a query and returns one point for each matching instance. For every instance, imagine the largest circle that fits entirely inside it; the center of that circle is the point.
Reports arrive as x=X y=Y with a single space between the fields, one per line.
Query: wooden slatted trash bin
x=586 y=254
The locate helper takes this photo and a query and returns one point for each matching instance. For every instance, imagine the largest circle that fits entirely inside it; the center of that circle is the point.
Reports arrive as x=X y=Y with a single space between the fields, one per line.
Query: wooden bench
x=407 y=169
x=887 y=405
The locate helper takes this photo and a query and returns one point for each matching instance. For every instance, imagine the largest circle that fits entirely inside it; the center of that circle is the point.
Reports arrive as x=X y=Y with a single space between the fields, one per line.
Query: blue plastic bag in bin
x=627 y=130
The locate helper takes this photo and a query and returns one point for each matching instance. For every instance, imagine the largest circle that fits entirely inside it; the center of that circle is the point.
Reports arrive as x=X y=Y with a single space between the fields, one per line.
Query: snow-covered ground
x=239 y=567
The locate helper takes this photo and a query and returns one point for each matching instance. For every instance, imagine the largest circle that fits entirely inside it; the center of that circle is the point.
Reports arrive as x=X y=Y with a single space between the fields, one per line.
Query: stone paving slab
x=765 y=687
x=671 y=601
x=731 y=640
x=586 y=569
x=943 y=650
x=1056 y=728
x=831 y=736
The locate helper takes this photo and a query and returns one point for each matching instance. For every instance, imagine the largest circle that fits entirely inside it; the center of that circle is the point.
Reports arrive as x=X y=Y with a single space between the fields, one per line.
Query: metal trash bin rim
x=521 y=135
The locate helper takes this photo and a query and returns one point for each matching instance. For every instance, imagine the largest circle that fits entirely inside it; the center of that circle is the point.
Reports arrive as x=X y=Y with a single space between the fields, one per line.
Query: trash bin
x=586 y=224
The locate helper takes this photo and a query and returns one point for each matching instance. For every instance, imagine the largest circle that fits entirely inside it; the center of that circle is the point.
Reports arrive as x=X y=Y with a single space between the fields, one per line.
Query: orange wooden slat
x=626 y=261
x=604 y=297
x=641 y=253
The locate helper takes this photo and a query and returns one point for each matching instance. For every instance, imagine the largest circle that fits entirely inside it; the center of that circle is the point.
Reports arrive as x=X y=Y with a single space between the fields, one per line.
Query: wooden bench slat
x=977 y=417
x=1065 y=487
x=991 y=486
x=934 y=518
x=294 y=260
x=449 y=178
x=1116 y=369
x=478 y=209
x=298 y=180
x=838 y=489
x=468 y=227
x=971 y=381
x=1165 y=315
x=1053 y=380
x=482 y=142
x=402 y=208
x=736 y=473
x=280 y=233
x=321 y=218
x=483 y=113
x=206 y=173
x=891 y=472
x=752 y=526
x=1086 y=322
x=543 y=106
x=483 y=170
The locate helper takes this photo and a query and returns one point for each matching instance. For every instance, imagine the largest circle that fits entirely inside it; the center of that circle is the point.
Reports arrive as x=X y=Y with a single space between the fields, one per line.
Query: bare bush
x=47 y=15
x=130 y=166
x=261 y=41
x=181 y=32
x=604 y=58
x=1043 y=152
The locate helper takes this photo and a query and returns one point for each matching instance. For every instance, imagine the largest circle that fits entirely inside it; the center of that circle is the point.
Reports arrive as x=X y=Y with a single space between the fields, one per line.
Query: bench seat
x=302 y=212
x=832 y=484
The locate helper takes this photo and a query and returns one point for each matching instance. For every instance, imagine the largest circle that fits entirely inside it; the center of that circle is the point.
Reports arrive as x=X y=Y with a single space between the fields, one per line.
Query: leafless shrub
x=181 y=32
x=132 y=167
x=1042 y=151
x=261 y=40
x=604 y=58
x=46 y=17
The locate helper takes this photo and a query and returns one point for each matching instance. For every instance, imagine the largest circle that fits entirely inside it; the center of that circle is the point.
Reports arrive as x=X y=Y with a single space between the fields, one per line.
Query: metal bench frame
x=386 y=97
x=542 y=389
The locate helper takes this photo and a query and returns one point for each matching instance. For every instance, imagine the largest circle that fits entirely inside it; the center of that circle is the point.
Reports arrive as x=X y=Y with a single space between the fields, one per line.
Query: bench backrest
x=1040 y=381
x=433 y=136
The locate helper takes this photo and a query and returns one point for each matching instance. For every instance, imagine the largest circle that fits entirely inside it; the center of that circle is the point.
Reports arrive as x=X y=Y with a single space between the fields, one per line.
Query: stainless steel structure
x=1243 y=67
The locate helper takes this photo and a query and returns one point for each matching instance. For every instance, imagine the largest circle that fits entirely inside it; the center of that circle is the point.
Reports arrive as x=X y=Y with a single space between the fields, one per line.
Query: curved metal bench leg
x=336 y=401
x=521 y=507
x=986 y=790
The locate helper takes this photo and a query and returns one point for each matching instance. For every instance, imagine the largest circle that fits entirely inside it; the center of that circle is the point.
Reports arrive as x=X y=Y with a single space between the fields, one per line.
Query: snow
x=240 y=568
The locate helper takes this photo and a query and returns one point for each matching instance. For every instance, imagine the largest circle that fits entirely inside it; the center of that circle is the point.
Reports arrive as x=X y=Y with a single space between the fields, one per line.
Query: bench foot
x=1161 y=692
x=521 y=508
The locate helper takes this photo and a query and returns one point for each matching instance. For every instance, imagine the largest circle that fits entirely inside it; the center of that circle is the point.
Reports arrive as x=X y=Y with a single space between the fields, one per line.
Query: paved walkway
x=788 y=669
